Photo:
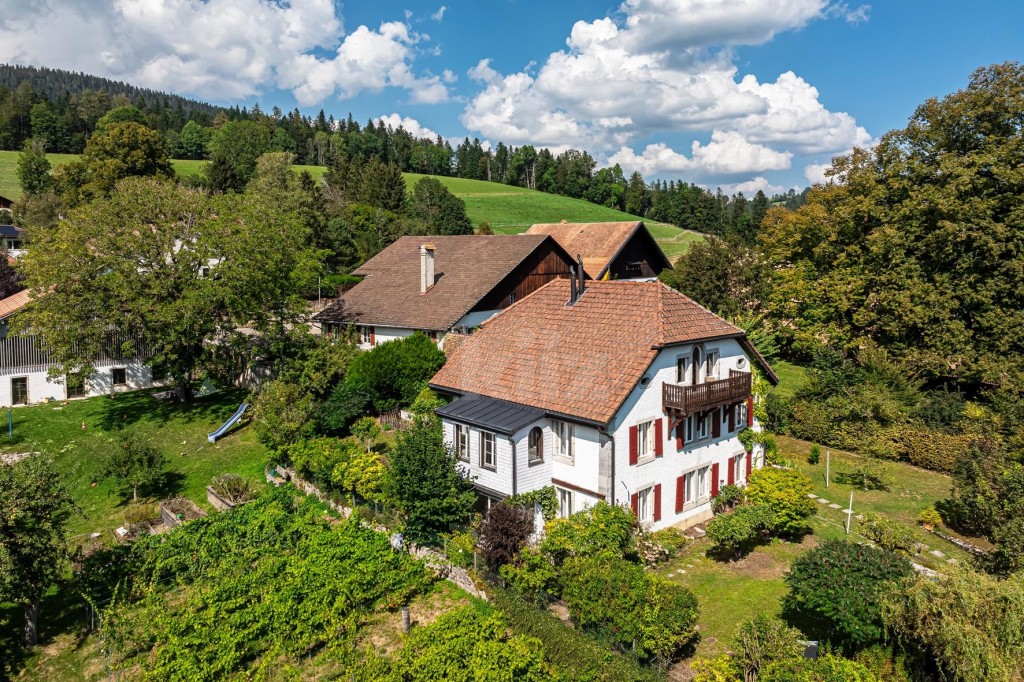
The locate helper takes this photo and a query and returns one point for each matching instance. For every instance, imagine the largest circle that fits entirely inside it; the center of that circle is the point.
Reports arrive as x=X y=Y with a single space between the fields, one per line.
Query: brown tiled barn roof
x=581 y=360
x=598 y=243
x=466 y=269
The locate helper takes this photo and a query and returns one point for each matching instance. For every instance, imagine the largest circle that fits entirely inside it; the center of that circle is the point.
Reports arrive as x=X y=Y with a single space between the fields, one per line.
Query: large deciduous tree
x=170 y=264
x=918 y=244
x=34 y=508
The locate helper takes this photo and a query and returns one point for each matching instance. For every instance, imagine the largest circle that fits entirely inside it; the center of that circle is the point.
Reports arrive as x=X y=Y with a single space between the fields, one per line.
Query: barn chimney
x=426 y=267
x=573 y=295
x=579 y=263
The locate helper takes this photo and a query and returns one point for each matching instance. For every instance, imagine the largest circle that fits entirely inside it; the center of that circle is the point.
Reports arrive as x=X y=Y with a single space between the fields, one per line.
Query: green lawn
x=790 y=378
x=179 y=432
x=508 y=209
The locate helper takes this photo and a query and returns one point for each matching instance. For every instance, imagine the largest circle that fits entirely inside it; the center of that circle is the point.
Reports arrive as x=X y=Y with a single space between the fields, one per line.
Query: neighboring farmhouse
x=626 y=392
x=13 y=240
x=5 y=202
x=609 y=250
x=443 y=284
x=24 y=365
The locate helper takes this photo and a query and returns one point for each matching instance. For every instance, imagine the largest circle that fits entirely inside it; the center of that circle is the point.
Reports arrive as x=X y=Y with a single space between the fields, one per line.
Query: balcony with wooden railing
x=687 y=400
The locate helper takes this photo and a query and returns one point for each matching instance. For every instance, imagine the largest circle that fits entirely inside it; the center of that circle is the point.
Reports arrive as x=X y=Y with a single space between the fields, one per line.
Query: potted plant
x=930 y=518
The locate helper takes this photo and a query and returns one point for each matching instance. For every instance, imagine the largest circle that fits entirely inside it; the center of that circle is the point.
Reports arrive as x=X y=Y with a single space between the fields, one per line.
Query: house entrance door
x=19 y=391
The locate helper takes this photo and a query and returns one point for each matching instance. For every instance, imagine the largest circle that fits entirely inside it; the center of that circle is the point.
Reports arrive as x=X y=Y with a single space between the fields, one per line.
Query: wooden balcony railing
x=686 y=400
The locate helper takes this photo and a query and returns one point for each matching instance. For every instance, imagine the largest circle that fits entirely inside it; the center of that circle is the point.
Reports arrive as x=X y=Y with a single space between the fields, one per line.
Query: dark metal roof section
x=491 y=414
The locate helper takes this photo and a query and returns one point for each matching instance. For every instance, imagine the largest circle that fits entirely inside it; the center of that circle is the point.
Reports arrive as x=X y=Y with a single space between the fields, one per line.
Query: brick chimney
x=426 y=267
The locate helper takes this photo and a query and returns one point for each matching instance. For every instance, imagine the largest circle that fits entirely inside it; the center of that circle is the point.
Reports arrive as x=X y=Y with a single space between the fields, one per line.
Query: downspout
x=512 y=442
x=612 y=482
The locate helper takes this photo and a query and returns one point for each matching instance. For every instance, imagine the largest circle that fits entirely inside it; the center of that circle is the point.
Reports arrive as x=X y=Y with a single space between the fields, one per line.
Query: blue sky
x=742 y=94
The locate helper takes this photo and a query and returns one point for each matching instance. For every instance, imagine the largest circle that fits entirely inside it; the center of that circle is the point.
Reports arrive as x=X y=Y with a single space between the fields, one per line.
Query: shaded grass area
x=177 y=431
x=791 y=378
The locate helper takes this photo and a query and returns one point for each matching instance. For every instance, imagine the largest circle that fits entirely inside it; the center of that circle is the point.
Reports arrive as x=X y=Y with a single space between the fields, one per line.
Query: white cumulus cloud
x=217 y=49
x=411 y=125
x=666 y=67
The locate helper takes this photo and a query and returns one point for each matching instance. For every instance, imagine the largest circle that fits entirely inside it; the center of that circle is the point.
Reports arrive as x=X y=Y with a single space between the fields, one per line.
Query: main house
x=25 y=365
x=610 y=250
x=627 y=392
x=443 y=284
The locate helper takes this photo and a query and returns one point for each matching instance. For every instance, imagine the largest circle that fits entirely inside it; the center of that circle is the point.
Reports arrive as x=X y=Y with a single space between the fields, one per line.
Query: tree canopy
x=171 y=264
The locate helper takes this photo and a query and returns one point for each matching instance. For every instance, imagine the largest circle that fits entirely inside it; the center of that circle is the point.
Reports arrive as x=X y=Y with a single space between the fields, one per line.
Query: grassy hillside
x=508 y=209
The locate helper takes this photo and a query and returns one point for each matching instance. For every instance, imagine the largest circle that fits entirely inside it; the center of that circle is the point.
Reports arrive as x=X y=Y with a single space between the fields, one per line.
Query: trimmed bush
x=888 y=534
x=927 y=448
x=814 y=456
x=602 y=530
x=826 y=668
x=737 y=531
x=622 y=603
x=843 y=585
x=930 y=517
x=394 y=373
x=784 y=493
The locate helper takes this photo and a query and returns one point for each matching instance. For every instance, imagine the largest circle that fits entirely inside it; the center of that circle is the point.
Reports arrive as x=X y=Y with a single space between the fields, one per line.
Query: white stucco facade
x=40 y=387
x=680 y=475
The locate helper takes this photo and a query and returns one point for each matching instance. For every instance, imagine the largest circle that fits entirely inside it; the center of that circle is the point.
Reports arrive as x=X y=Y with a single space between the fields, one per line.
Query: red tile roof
x=13 y=303
x=581 y=360
x=467 y=268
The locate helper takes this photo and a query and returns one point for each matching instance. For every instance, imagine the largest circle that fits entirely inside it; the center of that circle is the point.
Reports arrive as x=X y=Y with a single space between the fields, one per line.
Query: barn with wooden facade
x=444 y=284
x=625 y=250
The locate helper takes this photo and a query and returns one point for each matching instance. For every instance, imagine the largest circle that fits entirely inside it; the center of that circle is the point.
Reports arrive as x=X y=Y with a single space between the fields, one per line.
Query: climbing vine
x=546 y=497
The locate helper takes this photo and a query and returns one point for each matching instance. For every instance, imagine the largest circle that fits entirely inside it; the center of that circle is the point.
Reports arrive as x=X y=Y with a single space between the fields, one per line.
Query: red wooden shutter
x=373 y=336
x=750 y=411
x=632 y=445
x=679 y=435
x=732 y=418
x=714 y=480
x=731 y=474
x=657 y=502
x=634 y=502
x=750 y=464
x=716 y=423
x=680 y=494
x=659 y=438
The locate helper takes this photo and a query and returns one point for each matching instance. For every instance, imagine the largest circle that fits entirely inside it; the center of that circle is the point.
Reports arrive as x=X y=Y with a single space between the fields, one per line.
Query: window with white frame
x=488 y=458
x=703 y=426
x=462 y=442
x=683 y=371
x=564 y=434
x=696 y=485
x=737 y=467
x=711 y=364
x=645 y=504
x=564 y=503
x=365 y=335
x=696 y=366
x=645 y=440
x=688 y=429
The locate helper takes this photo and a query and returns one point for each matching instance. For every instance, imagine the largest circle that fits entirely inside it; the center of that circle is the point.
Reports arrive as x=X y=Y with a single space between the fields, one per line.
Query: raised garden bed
x=221 y=503
x=179 y=510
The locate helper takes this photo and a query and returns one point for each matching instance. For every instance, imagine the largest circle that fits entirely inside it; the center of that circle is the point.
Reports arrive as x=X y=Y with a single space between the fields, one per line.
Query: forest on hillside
x=60 y=110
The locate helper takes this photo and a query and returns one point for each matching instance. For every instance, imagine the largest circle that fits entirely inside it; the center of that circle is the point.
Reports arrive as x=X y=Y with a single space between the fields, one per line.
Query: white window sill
x=645 y=459
x=565 y=460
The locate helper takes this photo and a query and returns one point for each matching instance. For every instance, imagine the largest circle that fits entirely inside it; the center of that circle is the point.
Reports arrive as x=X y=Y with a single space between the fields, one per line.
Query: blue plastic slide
x=228 y=424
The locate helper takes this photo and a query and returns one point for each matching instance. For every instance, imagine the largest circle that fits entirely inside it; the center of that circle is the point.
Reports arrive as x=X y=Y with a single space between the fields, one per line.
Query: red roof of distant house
x=13 y=303
x=579 y=360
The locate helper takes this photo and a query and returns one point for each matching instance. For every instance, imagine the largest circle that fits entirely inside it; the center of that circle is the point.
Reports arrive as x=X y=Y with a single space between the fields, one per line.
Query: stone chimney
x=426 y=267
